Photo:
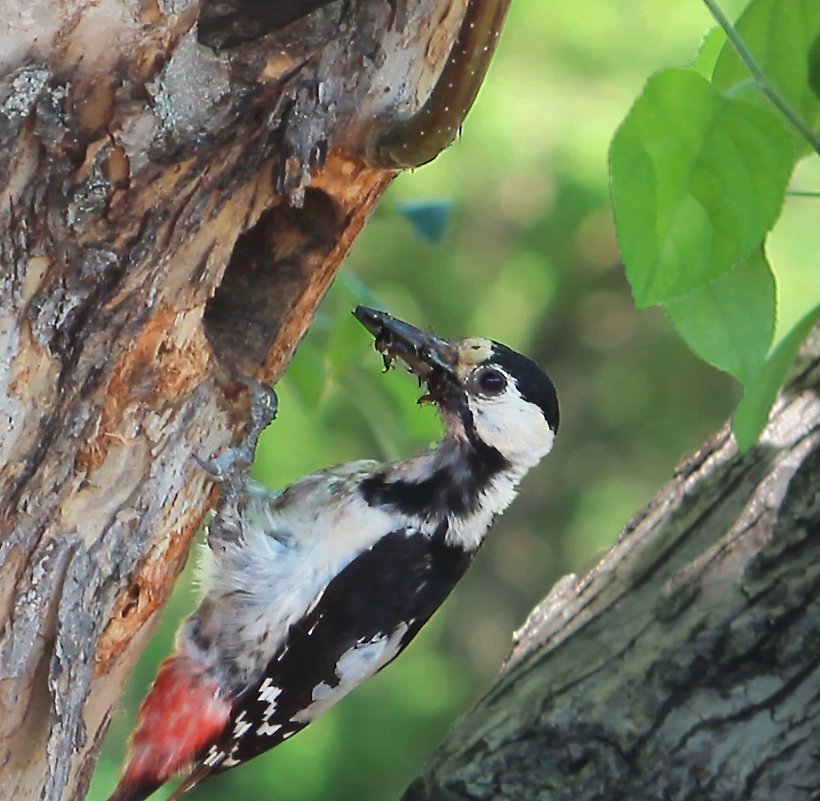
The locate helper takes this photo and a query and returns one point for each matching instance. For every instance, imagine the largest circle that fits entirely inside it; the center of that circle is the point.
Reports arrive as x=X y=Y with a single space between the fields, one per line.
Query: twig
x=780 y=102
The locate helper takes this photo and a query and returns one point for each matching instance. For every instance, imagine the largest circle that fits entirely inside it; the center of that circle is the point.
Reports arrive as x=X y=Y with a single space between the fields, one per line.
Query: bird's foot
x=234 y=463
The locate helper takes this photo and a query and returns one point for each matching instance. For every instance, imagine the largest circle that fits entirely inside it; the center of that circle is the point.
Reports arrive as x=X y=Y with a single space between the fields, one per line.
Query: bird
x=311 y=590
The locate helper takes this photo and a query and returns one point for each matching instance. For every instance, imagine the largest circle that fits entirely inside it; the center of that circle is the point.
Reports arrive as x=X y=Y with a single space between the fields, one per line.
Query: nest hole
x=270 y=265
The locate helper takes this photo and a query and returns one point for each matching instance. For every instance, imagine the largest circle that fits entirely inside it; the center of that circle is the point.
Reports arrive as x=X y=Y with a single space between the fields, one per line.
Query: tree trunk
x=686 y=665
x=179 y=182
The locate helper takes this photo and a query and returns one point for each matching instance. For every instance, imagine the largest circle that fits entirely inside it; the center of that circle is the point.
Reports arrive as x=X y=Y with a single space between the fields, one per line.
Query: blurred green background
x=528 y=257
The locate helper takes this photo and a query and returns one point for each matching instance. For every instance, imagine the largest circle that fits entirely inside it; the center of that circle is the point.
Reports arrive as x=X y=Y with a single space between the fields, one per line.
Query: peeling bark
x=175 y=199
x=686 y=665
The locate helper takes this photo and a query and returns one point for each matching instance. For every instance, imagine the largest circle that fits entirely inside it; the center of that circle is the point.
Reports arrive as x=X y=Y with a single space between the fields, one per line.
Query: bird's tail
x=183 y=713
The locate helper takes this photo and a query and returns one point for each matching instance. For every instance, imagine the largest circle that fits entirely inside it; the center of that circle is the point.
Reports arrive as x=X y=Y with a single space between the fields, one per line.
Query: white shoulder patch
x=352 y=668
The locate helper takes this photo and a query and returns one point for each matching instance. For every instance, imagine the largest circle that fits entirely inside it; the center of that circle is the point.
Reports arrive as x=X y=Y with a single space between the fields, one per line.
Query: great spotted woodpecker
x=311 y=590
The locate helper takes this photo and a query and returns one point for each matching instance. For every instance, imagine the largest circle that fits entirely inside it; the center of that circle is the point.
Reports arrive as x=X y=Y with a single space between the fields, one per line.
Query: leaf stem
x=780 y=102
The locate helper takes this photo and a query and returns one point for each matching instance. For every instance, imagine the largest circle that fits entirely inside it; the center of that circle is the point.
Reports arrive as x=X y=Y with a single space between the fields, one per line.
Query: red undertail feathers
x=182 y=713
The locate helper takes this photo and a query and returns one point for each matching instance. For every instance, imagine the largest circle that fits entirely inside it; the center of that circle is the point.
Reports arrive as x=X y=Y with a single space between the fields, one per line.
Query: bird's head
x=487 y=393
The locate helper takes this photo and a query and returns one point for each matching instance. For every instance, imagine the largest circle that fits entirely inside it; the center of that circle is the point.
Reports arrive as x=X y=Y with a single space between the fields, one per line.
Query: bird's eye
x=491 y=382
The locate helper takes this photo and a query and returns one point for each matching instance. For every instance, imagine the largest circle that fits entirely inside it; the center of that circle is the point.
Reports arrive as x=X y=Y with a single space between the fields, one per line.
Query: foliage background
x=528 y=257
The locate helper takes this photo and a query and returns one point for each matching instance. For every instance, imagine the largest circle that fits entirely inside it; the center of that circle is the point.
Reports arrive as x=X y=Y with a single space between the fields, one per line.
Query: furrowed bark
x=179 y=182
x=686 y=665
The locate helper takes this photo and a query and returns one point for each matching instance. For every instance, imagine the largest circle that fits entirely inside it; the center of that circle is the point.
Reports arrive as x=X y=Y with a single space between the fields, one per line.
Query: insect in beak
x=429 y=357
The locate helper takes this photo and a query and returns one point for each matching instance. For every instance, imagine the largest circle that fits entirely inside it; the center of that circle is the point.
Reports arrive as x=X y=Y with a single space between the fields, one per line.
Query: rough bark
x=686 y=665
x=174 y=200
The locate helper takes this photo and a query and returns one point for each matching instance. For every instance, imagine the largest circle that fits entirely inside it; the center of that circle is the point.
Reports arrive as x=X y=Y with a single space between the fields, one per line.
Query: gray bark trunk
x=174 y=200
x=686 y=665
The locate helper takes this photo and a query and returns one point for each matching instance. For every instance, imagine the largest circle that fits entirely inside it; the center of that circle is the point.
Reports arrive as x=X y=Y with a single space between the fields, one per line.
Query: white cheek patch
x=513 y=426
x=352 y=668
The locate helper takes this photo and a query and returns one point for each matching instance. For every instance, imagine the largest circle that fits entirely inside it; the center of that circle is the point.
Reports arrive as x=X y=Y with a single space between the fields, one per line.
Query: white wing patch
x=240 y=726
x=231 y=759
x=354 y=666
x=267 y=729
x=268 y=694
x=321 y=691
x=213 y=757
x=292 y=546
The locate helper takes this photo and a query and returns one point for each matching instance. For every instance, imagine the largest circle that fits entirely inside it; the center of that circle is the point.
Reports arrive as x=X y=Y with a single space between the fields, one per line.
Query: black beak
x=426 y=355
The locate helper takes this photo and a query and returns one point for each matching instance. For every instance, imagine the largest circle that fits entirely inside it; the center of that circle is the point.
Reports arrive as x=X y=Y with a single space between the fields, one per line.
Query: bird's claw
x=263 y=405
x=235 y=462
x=222 y=467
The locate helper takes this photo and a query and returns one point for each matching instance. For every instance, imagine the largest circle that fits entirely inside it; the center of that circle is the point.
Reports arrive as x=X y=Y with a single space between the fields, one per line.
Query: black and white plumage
x=310 y=591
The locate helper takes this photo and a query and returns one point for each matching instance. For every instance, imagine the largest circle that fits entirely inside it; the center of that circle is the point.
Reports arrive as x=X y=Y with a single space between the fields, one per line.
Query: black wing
x=391 y=589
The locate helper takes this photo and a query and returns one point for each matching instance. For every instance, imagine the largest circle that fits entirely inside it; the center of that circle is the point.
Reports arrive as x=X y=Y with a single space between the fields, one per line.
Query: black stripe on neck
x=455 y=487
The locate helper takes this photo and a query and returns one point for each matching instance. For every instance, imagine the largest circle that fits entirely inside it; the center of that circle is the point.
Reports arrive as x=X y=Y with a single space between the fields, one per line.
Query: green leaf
x=814 y=66
x=697 y=181
x=708 y=52
x=758 y=396
x=729 y=323
x=428 y=218
x=780 y=35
